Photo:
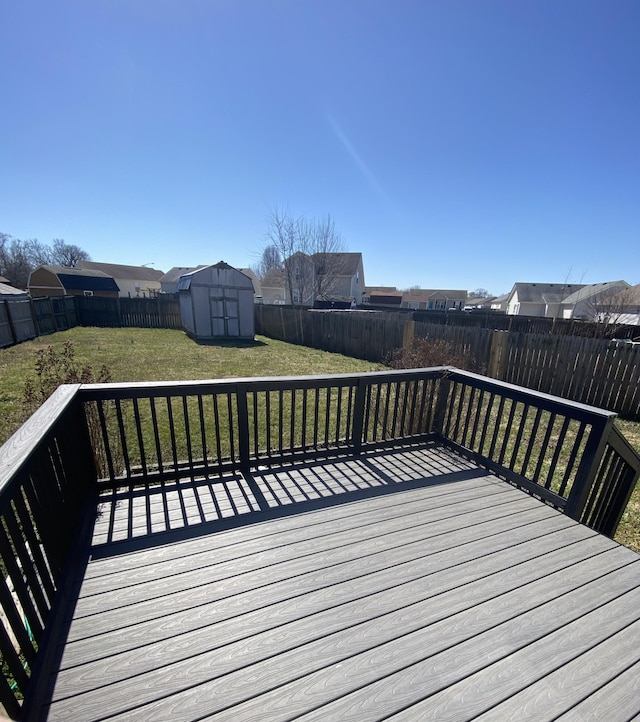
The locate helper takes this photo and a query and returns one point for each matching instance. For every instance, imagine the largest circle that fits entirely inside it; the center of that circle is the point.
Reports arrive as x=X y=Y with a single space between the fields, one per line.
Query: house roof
x=544 y=292
x=500 y=299
x=273 y=278
x=427 y=294
x=342 y=264
x=172 y=275
x=117 y=270
x=381 y=289
x=595 y=289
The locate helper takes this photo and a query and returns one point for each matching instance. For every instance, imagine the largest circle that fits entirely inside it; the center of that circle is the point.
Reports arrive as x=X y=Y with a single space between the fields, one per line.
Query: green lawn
x=163 y=354
x=160 y=355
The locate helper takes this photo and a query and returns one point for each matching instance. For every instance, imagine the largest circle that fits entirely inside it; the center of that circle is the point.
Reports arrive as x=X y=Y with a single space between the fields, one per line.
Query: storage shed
x=216 y=302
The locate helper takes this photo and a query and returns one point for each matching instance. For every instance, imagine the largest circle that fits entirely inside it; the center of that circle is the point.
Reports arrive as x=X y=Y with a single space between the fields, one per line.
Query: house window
x=88 y=293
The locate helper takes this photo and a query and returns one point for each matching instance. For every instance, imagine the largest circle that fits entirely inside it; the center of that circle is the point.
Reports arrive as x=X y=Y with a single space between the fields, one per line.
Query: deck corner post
x=588 y=468
x=243 y=428
x=358 y=415
x=441 y=404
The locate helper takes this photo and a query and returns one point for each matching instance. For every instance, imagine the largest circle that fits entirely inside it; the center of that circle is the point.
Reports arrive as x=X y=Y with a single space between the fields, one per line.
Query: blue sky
x=456 y=143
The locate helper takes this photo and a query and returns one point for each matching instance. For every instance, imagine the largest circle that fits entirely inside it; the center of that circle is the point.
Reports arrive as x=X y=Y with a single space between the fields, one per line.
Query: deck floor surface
x=405 y=584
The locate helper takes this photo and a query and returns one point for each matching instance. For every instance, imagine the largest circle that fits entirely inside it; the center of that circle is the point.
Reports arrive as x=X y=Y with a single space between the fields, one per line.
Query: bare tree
x=19 y=257
x=269 y=261
x=479 y=293
x=326 y=246
x=67 y=254
x=307 y=251
x=14 y=261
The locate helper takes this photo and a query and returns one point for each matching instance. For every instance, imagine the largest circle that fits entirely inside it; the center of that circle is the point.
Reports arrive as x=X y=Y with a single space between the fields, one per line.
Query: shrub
x=426 y=352
x=53 y=368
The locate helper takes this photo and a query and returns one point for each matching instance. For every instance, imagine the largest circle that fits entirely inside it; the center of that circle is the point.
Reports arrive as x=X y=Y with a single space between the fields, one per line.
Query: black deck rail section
x=46 y=470
x=127 y=434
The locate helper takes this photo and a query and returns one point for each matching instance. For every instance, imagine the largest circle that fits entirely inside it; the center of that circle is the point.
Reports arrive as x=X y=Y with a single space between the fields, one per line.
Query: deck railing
x=568 y=454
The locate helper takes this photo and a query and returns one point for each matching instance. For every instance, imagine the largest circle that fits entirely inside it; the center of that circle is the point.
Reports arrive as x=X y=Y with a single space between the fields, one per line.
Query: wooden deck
x=405 y=583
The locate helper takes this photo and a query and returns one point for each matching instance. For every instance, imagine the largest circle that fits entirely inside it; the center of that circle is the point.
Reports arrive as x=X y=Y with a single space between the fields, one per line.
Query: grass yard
x=160 y=355
x=163 y=354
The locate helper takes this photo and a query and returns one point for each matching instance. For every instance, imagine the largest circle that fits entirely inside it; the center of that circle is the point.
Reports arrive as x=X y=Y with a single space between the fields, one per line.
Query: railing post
x=358 y=415
x=243 y=428
x=441 y=404
x=586 y=474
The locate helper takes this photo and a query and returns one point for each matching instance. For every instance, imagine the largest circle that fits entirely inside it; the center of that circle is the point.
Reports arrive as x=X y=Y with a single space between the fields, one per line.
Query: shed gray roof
x=117 y=270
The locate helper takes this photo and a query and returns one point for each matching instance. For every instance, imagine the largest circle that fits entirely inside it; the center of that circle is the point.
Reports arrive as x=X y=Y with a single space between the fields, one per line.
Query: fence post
x=408 y=333
x=12 y=328
x=497 y=355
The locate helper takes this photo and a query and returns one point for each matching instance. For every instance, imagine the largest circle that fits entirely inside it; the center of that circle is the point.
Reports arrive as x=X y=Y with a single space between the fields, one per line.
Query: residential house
x=560 y=300
x=623 y=308
x=499 y=303
x=169 y=281
x=382 y=296
x=324 y=277
x=429 y=299
x=272 y=287
x=52 y=280
x=257 y=289
x=478 y=303
x=133 y=281
x=539 y=299
x=593 y=299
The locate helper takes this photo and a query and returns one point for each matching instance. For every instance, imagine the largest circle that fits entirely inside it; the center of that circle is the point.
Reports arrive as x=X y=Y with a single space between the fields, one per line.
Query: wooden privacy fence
x=160 y=312
x=592 y=371
x=27 y=318
x=499 y=321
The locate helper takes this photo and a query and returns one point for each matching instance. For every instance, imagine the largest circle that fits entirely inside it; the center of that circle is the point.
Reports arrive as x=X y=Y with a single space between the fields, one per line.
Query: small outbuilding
x=216 y=303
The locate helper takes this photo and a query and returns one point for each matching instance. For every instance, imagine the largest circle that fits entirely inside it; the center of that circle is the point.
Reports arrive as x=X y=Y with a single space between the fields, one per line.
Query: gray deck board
x=457 y=597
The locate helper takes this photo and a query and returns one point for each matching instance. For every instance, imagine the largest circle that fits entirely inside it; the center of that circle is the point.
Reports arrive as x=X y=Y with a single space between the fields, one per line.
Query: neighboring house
x=623 y=308
x=499 y=303
x=272 y=287
x=50 y=280
x=479 y=302
x=257 y=289
x=430 y=299
x=324 y=277
x=539 y=299
x=593 y=300
x=382 y=296
x=561 y=300
x=169 y=281
x=133 y=281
